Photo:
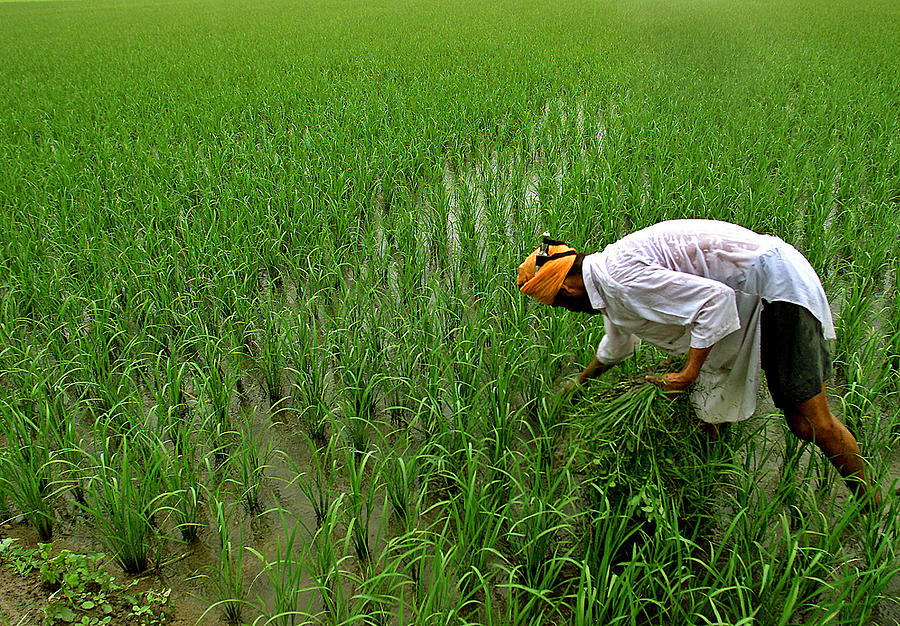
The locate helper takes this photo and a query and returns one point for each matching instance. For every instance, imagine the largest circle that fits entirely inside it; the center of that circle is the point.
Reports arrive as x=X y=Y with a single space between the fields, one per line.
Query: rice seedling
x=168 y=373
x=67 y=445
x=542 y=527
x=361 y=502
x=323 y=564
x=217 y=382
x=477 y=519
x=285 y=576
x=124 y=491
x=362 y=379
x=253 y=455
x=27 y=467
x=401 y=476
x=269 y=354
x=310 y=361
x=318 y=484
x=183 y=479
x=227 y=576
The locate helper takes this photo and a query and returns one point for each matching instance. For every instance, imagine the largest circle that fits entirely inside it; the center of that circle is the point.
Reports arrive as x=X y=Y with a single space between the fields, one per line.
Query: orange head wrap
x=544 y=285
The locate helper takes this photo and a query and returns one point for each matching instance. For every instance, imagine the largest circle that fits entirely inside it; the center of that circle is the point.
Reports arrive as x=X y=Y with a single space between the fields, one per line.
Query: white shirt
x=700 y=283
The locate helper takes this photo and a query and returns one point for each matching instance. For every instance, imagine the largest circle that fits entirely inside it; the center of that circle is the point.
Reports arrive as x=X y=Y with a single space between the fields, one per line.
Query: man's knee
x=812 y=420
x=800 y=425
x=813 y=426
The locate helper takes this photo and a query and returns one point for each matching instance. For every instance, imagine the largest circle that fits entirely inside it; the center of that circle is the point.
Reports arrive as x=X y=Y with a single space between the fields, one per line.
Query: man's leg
x=813 y=421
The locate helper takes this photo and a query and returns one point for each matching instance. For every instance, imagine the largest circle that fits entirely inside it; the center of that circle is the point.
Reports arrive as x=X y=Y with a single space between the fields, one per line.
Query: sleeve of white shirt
x=664 y=296
x=617 y=344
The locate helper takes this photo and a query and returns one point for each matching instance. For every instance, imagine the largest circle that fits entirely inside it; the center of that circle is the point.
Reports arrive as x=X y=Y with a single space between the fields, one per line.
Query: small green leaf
x=65 y=613
x=87 y=605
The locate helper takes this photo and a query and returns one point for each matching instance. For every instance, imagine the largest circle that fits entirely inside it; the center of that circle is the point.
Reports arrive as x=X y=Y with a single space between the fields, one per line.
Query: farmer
x=728 y=298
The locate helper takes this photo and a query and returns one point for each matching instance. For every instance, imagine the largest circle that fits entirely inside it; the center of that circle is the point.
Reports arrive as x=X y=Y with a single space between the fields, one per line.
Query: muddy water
x=185 y=566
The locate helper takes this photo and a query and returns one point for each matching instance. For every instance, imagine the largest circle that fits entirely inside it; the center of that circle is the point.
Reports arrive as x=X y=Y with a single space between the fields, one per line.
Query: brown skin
x=813 y=421
x=810 y=421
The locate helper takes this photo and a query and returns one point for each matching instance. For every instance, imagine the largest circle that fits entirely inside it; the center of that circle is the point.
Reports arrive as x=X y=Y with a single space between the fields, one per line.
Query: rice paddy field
x=261 y=345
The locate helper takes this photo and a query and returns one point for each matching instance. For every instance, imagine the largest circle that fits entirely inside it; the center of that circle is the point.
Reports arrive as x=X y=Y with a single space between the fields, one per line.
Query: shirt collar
x=590 y=273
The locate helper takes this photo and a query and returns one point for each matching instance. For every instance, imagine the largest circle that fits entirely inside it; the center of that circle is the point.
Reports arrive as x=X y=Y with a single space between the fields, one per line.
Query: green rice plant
x=865 y=579
x=183 y=479
x=324 y=564
x=217 y=382
x=69 y=446
x=379 y=591
x=318 y=484
x=168 y=374
x=269 y=352
x=309 y=367
x=124 y=491
x=242 y=330
x=856 y=312
x=285 y=576
x=359 y=408
x=401 y=476
x=427 y=395
x=476 y=517
x=361 y=502
x=362 y=380
x=27 y=468
x=544 y=494
x=892 y=307
x=227 y=575
x=497 y=401
x=106 y=367
x=604 y=592
x=440 y=596
x=250 y=460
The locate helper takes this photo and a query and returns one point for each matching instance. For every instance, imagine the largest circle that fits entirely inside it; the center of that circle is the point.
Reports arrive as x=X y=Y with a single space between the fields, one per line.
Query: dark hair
x=575 y=270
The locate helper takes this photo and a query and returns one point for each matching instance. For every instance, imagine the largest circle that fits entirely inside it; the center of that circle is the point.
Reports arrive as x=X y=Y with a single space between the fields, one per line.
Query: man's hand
x=672 y=382
x=679 y=381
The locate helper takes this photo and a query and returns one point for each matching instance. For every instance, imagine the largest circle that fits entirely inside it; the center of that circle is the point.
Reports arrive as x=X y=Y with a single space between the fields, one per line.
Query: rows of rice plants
x=259 y=333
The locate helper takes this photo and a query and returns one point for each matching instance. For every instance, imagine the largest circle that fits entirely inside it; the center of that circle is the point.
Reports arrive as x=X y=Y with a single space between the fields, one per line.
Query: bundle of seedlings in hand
x=637 y=445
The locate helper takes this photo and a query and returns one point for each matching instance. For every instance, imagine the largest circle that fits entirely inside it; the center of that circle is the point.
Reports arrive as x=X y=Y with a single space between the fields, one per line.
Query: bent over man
x=730 y=299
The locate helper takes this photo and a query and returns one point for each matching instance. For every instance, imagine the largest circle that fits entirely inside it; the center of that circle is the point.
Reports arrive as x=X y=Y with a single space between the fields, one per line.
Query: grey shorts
x=794 y=354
